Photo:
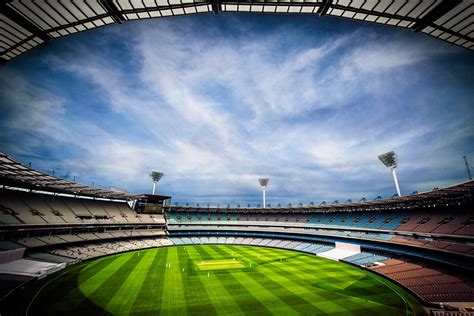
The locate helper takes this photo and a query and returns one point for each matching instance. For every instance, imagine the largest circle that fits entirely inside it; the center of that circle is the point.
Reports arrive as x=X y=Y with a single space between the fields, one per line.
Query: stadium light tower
x=155 y=176
x=263 y=183
x=389 y=159
x=467 y=168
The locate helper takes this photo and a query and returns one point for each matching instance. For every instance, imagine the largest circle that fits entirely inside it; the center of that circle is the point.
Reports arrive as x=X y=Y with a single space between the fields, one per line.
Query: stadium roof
x=14 y=174
x=456 y=195
x=25 y=24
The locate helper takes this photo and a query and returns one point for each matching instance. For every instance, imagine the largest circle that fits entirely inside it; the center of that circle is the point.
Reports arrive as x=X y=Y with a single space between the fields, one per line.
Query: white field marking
x=46 y=284
x=388 y=285
x=216 y=263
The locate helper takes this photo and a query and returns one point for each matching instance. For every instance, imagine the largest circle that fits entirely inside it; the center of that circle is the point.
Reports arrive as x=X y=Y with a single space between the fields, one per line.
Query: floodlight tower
x=467 y=168
x=155 y=176
x=263 y=183
x=389 y=159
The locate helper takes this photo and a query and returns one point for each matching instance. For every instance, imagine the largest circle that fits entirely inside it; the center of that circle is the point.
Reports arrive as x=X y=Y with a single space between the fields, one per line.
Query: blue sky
x=215 y=102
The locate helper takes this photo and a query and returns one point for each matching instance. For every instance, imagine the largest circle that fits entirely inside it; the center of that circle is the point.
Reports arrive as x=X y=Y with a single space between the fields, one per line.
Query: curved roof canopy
x=25 y=24
x=13 y=174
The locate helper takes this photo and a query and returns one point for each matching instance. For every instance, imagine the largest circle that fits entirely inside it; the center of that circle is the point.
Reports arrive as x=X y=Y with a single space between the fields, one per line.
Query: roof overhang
x=27 y=24
x=13 y=174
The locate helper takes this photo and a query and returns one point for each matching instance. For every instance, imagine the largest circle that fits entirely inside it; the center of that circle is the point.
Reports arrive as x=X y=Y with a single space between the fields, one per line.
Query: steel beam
x=216 y=6
x=441 y=9
x=323 y=9
x=114 y=12
x=23 y=22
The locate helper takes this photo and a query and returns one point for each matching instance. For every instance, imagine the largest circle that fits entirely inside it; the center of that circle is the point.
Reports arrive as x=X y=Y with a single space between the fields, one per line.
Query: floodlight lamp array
x=389 y=159
x=156 y=176
x=263 y=182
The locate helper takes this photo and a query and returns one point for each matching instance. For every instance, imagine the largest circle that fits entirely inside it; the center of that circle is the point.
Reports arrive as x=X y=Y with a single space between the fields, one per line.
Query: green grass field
x=219 y=280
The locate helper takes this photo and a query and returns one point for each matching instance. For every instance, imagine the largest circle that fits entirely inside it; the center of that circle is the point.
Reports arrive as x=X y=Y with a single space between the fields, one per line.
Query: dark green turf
x=266 y=281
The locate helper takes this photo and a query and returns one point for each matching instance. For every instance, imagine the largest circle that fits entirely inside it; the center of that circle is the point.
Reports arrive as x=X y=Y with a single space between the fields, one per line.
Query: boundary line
x=46 y=284
x=399 y=295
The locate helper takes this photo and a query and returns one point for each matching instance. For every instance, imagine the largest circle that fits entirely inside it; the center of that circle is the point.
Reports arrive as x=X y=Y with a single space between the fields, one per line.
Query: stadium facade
x=424 y=241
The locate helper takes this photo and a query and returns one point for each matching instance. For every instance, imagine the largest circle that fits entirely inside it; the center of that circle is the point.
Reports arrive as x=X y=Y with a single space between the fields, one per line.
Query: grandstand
x=423 y=242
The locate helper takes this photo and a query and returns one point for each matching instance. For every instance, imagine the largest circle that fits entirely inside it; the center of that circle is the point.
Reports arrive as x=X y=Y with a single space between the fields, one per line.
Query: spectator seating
x=430 y=282
x=18 y=207
x=92 y=250
x=438 y=222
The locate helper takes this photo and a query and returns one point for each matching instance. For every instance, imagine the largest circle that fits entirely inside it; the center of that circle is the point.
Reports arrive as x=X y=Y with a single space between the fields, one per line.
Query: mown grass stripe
x=246 y=301
x=107 y=290
x=88 y=272
x=94 y=278
x=66 y=284
x=334 y=273
x=293 y=281
x=124 y=297
x=298 y=263
x=326 y=264
x=333 y=299
x=149 y=297
x=93 y=263
x=173 y=299
x=351 y=278
x=224 y=304
x=197 y=300
x=278 y=289
x=274 y=296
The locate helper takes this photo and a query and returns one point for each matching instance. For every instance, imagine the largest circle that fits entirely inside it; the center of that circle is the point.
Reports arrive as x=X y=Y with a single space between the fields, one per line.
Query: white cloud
x=30 y=108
